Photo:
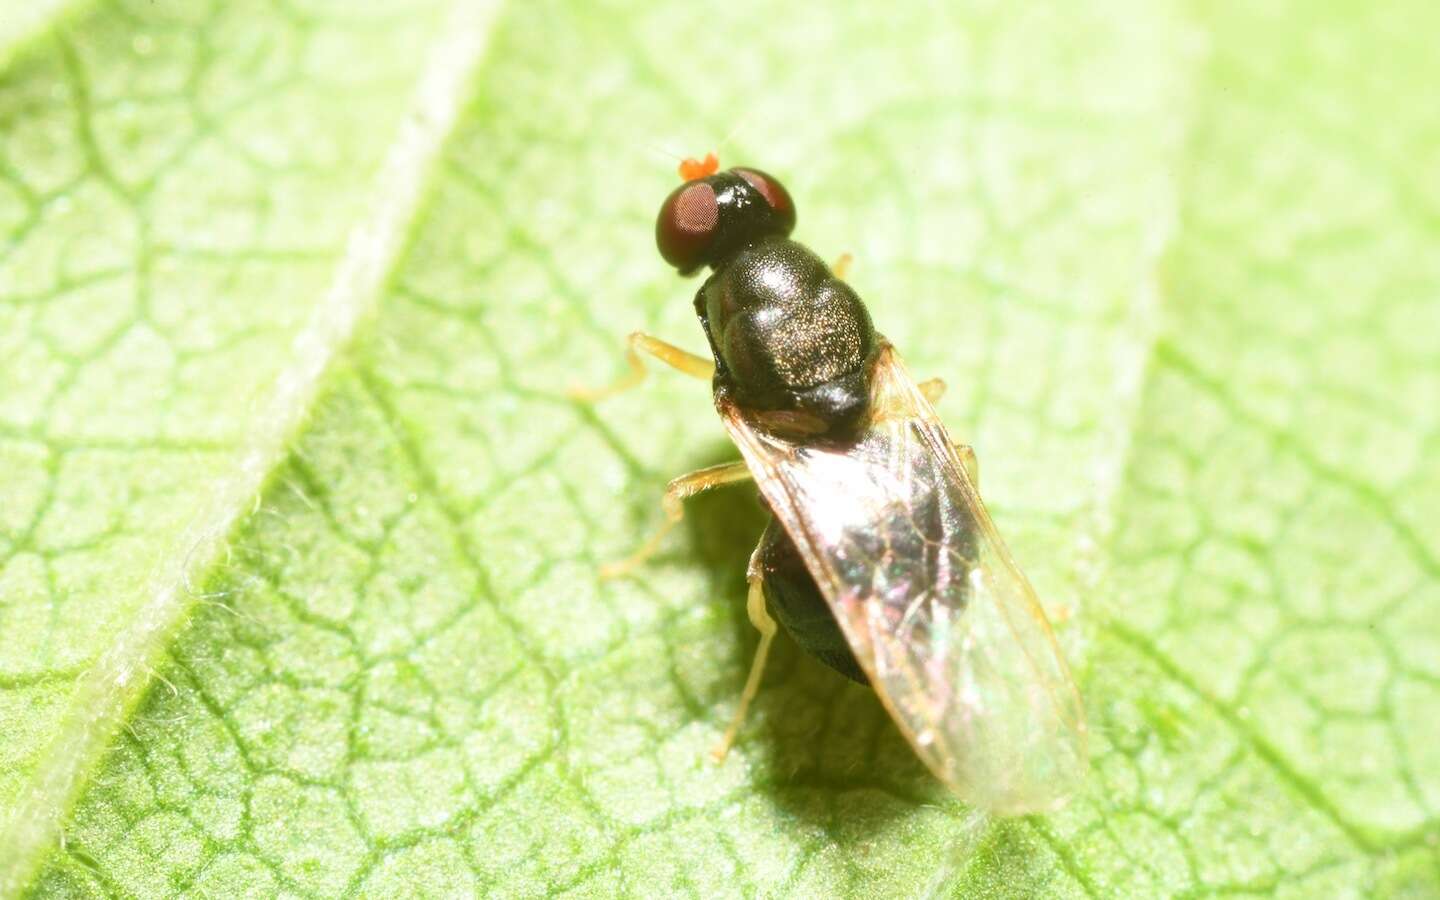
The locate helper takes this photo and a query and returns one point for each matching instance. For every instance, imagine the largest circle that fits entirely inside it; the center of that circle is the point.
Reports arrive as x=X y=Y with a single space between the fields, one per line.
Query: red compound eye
x=774 y=193
x=686 y=225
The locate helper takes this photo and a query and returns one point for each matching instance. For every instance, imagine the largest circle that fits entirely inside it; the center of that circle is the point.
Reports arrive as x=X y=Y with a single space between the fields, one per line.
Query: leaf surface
x=299 y=532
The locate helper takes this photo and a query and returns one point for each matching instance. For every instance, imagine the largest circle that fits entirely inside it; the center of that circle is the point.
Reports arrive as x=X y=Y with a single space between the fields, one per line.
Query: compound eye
x=686 y=225
x=774 y=193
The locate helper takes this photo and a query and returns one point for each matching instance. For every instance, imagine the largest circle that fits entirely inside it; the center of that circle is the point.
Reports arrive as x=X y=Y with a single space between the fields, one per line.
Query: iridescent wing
x=939 y=616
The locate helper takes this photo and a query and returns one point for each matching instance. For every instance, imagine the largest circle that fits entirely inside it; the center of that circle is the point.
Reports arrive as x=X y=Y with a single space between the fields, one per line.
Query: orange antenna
x=692 y=169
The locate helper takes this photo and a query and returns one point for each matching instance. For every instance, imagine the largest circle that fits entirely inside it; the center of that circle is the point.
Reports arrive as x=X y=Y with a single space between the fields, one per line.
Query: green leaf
x=299 y=532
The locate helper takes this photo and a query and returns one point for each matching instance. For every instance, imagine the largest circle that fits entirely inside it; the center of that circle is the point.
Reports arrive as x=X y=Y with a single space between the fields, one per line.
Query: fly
x=880 y=559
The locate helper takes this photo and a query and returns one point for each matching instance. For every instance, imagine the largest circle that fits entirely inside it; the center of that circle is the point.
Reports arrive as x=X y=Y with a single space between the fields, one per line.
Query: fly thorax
x=789 y=335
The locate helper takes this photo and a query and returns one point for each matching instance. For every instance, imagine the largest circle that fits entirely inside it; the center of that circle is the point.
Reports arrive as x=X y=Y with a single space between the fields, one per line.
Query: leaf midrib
x=107 y=692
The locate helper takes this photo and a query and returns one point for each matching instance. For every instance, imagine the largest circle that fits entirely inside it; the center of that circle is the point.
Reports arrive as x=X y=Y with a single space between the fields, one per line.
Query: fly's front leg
x=639 y=342
x=841 y=267
x=673 y=502
x=760 y=618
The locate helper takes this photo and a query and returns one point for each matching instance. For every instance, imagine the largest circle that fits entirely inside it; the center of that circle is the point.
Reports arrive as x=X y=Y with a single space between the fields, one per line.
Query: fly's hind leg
x=760 y=618
x=673 y=502
x=639 y=342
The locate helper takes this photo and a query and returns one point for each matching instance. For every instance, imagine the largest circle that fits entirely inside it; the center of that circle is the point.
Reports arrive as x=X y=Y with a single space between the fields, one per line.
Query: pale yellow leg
x=841 y=268
x=673 y=502
x=639 y=342
x=970 y=461
x=933 y=389
x=760 y=618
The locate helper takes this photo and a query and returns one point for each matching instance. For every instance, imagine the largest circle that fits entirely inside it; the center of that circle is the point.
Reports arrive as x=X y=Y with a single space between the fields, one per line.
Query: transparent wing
x=939 y=616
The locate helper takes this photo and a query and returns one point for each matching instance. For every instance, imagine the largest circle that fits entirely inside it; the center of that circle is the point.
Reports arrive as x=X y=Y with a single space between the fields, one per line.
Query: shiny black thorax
x=789 y=339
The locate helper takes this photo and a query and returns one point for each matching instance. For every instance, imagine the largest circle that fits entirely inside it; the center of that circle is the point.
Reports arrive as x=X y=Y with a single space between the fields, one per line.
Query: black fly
x=880 y=559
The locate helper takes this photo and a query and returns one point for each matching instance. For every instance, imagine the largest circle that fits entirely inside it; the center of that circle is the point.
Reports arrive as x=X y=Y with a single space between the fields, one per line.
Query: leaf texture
x=299 y=532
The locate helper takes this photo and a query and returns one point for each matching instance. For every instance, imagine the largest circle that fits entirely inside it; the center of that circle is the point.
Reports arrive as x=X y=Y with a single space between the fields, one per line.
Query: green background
x=298 y=530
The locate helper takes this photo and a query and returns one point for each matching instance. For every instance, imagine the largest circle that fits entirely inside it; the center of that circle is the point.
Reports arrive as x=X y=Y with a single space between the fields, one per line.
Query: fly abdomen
x=796 y=602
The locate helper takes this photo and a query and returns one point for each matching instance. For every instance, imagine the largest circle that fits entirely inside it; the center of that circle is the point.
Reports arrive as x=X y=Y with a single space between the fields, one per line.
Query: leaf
x=320 y=616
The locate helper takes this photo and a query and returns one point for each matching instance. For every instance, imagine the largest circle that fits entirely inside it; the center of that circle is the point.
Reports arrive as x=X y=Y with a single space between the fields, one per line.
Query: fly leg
x=760 y=618
x=933 y=389
x=970 y=462
x=639 y=342
x=841 y=266
x=673 y=502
